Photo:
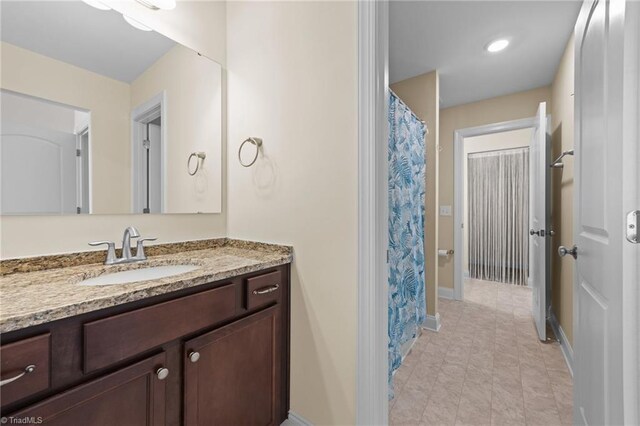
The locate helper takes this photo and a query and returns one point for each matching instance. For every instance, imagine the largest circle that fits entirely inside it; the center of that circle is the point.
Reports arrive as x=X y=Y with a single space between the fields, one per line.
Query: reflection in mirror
x=101 y=117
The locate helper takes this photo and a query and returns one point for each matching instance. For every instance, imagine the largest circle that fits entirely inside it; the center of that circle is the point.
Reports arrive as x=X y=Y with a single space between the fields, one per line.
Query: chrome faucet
x=129 y=233
x=127 y=257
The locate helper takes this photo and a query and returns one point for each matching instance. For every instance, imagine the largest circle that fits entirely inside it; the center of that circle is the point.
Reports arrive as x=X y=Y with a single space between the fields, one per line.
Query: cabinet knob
x=162 y=373
x=194 y=356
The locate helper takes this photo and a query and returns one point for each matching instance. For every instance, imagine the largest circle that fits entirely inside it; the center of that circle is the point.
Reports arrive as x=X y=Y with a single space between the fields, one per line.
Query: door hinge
x=78 y=153
x=78 y=210
x=633 y=222
x=387 y=256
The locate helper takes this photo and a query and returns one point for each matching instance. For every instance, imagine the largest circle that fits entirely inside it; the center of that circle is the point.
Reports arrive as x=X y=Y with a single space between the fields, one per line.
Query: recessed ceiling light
x=136 y=24
x=497 y=45
x=97 y=4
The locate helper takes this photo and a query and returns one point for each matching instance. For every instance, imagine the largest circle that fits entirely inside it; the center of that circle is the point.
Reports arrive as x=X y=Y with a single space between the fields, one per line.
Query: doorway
x=148 y=155
x=491 y=141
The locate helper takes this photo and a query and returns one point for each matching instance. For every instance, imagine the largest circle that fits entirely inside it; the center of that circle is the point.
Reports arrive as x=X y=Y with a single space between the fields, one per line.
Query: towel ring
x=200 y=156
x=257 y=142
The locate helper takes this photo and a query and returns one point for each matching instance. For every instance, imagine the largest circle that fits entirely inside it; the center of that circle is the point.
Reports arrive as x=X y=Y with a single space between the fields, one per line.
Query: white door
x=38 y=171
x=538 y=218
x=606 y=188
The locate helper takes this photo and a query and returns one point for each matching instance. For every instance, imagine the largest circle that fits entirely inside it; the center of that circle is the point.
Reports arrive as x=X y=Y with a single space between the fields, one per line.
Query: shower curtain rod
x=498 y=150
x=412 y=113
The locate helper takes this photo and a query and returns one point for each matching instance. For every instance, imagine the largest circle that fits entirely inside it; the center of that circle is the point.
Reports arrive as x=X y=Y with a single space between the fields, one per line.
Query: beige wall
x=200 y=25
x=192 y=87
x=495 y=110
x=421 y=94
x=562 y=191
x=292 y=72
x=491 y=142
x=36 y=75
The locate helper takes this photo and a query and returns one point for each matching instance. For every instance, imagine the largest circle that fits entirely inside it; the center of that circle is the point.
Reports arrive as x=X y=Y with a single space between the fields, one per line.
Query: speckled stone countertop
x=40 y=296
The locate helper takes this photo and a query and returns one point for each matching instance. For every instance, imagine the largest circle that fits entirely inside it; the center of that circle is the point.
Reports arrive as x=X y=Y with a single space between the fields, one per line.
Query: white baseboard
x=406 y=348
x=295 y=419
x=567 y=350
x=445 y=292
x=432 y=322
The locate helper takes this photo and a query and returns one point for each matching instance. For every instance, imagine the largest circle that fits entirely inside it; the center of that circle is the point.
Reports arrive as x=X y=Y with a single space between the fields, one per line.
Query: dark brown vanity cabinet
x=133 y=395
x=232 y=374
x=216 y=354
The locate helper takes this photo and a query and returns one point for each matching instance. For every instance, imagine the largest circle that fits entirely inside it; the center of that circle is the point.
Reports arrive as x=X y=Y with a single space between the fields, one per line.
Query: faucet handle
x=111 y=250
x=140 y=248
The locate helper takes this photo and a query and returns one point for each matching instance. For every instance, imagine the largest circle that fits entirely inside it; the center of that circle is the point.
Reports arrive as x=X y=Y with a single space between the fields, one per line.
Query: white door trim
x=372 y=405
x=138 y=114
x=458 y=188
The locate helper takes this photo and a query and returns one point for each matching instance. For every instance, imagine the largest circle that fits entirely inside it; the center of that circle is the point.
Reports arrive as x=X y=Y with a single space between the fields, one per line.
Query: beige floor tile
x=474 y=407
x=441 y=409
x=408 y=408
x=507 y=405
x=485 y=367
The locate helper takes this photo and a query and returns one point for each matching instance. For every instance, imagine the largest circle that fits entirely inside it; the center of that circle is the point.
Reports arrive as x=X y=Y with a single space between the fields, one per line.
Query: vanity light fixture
x=158 y=4
x=136 y=24
x=97 y=4
x=497 y=45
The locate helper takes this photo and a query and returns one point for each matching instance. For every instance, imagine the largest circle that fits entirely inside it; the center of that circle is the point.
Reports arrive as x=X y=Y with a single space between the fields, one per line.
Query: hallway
x=486 y=366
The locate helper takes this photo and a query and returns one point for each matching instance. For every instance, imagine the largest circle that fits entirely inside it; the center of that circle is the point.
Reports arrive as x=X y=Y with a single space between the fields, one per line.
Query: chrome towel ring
x=200 y=156
x=255 y=141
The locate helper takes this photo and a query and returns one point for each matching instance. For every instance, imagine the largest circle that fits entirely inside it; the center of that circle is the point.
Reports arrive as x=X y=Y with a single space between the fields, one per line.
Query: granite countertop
x=40 y=296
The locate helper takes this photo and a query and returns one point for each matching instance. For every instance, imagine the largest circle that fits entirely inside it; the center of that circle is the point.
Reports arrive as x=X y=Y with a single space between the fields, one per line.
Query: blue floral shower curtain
x=407 y=164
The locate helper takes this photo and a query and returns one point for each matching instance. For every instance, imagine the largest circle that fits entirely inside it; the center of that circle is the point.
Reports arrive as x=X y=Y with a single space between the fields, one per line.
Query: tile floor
x=486 y=366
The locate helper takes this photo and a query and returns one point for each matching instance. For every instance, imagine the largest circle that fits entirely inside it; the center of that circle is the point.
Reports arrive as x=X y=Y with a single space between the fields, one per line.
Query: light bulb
x=497 y=45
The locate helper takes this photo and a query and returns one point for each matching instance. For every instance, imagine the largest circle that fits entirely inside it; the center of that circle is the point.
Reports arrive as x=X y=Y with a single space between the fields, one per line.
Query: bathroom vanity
x=210 y=346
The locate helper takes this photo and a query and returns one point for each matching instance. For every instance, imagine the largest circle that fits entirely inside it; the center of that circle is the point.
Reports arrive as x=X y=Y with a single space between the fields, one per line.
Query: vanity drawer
x=263 y=290
x=27 y=362
x=119 y=337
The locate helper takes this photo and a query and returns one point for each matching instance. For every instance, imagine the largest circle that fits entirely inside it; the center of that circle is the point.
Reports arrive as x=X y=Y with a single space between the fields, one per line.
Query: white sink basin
x=136 y=275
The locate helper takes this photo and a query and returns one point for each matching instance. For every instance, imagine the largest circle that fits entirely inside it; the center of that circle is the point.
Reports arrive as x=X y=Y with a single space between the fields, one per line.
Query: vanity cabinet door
x=232 y=374
x=133 y=396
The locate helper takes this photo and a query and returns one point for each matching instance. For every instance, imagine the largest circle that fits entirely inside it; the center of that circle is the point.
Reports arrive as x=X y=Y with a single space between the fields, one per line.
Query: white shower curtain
x=499 y=215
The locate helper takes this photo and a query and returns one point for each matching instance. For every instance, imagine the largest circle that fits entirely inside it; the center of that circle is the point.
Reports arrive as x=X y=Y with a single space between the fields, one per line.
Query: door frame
x=84 y=179
x=459 y=136
x=139 y=114
x=372 y=365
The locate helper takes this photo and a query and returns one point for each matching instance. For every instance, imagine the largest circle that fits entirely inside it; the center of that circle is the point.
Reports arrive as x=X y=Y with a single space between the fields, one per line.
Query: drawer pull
x=266 y=290
x=194 y=356
x=162 y=373
x=28 y=369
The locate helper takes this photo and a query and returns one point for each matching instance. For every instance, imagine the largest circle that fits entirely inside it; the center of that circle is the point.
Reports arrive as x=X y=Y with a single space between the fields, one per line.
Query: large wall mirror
x=102 y=115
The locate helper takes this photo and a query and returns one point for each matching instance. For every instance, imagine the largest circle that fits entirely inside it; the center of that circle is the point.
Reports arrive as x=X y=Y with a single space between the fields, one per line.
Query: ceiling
x=78 y=34
x=450 y=36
